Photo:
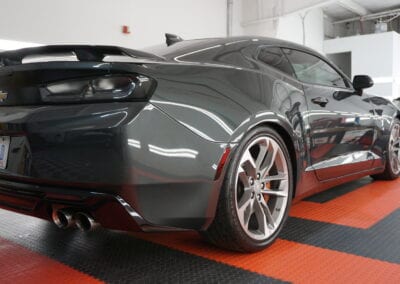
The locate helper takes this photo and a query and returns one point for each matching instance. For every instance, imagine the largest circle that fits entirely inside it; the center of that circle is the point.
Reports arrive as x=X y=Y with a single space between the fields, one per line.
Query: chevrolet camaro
x=214 y=135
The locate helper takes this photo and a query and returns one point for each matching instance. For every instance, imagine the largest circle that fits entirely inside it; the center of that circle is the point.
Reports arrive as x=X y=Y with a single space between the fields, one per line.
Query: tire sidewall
x=389 y=165
x=251 y=244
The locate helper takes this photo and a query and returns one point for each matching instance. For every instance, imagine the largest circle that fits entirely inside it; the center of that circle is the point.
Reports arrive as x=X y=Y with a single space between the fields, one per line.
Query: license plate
x=4 y=145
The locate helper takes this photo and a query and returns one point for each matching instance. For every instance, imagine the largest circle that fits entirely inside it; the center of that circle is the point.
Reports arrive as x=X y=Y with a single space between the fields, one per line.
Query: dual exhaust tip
x=65 y=219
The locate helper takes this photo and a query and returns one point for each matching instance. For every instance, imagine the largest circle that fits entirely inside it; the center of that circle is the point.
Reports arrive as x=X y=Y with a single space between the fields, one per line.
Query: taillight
x=105 y=88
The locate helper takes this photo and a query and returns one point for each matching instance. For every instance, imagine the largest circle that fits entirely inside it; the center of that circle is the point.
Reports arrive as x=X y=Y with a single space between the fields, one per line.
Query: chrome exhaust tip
x=62 y=218
x=85 y=222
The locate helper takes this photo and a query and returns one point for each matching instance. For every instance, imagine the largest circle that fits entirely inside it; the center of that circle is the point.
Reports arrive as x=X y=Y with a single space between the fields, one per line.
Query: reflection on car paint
x=173 y=152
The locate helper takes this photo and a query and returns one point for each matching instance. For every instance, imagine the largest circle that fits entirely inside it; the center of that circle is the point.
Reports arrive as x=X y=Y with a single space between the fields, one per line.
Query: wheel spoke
x=280 y=176
x=245 y=208
x=261 y=155
x=277 y=193
x=261 y=219
x=395 y=163
x=396 y=145
x=248 y=164
x=244 y=179
x=269 y=159
x=245 y=199
x=268 y=214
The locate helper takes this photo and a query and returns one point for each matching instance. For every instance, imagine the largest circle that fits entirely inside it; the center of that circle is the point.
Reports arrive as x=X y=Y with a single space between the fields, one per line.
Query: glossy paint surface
x=161 y=155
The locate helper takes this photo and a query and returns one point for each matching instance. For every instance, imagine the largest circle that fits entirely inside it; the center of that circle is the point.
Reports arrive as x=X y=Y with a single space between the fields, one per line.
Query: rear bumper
x=102 y=156
x=39 y=201
x=167 y=207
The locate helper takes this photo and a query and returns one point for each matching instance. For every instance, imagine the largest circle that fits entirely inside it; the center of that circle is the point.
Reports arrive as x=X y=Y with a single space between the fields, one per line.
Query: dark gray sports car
x=214 y=135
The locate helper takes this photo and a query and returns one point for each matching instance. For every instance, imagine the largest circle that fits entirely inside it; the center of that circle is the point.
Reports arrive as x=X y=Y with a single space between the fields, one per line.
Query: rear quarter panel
x=222 y=103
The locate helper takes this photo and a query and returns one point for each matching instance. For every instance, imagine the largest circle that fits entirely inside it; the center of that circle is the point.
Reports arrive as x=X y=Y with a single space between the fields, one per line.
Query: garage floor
x=350 y=233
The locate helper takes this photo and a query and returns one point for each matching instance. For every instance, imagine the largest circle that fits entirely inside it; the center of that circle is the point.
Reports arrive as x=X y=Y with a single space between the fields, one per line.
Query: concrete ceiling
x=379 y=5
x=344 y=9
x=265 y=9
x=256 y=10
x=338 y=12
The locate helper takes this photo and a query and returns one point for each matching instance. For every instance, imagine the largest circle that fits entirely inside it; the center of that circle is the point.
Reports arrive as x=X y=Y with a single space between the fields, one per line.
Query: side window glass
x=274 y=57
x=311 y=69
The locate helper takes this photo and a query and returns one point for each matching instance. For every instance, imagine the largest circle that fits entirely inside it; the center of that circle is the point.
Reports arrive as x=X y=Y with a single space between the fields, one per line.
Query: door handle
x=320 y=101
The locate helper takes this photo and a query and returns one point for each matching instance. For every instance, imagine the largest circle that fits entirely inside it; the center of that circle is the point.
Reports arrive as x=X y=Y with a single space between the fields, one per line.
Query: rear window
x=274 y=57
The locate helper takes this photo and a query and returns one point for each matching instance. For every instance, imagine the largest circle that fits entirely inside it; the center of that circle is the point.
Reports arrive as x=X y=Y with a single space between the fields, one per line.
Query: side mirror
x=361 y=82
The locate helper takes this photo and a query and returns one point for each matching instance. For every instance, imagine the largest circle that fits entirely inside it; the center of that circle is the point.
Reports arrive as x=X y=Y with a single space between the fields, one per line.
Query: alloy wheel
x=394 y=149
x=262 y=188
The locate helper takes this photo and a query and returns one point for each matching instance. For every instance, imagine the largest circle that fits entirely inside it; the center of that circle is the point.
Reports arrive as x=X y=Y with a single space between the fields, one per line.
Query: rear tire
x=392 y=167
x=256 y=194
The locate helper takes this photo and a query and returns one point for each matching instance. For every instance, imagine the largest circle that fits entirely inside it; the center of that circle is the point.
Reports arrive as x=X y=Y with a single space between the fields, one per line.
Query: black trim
x=40 y=201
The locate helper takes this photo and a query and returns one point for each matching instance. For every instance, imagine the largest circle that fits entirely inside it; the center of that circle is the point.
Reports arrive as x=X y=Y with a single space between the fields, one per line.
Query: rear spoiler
x=81 y=52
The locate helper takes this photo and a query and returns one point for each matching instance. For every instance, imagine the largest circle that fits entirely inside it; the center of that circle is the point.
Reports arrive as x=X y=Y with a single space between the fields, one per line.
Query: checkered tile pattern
x=348 y=234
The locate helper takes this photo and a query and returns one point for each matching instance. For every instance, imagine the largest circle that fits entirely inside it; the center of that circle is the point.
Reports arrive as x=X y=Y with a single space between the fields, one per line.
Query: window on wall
x=313 y=70
x=274 y=57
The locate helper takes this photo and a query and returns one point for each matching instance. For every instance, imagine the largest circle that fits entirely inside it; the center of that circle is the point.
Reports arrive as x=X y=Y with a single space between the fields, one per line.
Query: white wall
x=255 y=10
x=237 y=28
x=100 y=21
x=263 y=28
x=376 y=55
x=290 y=27
x=11 y=44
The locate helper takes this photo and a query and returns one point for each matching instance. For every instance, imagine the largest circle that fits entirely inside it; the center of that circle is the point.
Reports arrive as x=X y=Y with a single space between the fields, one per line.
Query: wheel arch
x=289 y=143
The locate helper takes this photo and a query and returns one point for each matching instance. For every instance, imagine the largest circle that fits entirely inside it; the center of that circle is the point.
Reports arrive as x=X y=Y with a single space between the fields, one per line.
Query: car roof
x=194 y=45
